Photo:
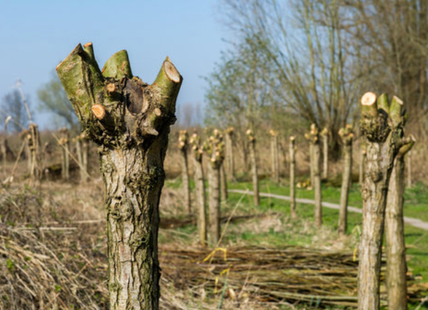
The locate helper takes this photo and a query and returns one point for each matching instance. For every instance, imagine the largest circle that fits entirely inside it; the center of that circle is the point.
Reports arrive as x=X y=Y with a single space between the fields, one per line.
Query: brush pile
x=56 y=266
x=268 y=275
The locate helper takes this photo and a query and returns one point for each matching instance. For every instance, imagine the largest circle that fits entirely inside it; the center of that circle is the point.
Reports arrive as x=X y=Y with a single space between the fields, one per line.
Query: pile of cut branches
x=270 y=275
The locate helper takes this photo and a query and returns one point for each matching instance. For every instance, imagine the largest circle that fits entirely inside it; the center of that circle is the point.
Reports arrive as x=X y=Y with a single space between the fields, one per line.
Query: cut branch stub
x=134 y=110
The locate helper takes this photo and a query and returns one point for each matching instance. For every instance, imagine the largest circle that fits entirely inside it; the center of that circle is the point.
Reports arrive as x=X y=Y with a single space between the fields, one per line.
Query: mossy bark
x=346 y=136
x=292 y=178
x=253 y=159
x=382 y=125
x=132 y=134
x=396 y=267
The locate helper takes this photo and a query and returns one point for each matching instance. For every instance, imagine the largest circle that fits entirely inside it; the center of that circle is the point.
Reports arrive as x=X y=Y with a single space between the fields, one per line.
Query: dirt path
x=408 y=220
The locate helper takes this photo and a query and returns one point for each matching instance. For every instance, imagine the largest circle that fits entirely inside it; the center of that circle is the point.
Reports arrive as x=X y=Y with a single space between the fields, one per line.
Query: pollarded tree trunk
x=64 y=142
x=292 y=178
x=215 y=149
x=183 y=145
x=311 y=163
x=313 y=138
x=130 y=121
x=199 y=188
x=230 y=162
x=253 y=158
x=346 y=135
x=382 y=125
x=34 y=147
x=274 y=156
x=324 y=136
x=223 y=182
x=396 y=267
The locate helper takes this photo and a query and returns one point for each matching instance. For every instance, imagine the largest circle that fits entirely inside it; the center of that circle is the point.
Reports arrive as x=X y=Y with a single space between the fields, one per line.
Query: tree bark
x=324 y=135
x=130 y=121
x=292 y=178
x=183 y=145
x=362 y=165
x=346 y=136
x=229 y=153
x=215 y=149
x=252 y=147
x=199 y=188
x=396 y=267
x=64 y=142
x=382 y=125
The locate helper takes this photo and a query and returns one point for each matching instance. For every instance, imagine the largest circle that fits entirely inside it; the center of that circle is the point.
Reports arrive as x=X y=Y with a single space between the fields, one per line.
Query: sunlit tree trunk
x=396 y=267
x=230 y=162
x=199 y=188
x=36 y=168
x=274 y=156
x=183 y=145
x=292 y=178
x=215 y=149
x=130 y=121
x=324 y=136
x=346 y=136
x=223 y=182
x=313 y=138
x=382 y=125
x=64 y=142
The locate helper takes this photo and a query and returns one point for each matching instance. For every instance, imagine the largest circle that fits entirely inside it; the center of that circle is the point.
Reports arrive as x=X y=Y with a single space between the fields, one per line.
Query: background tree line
x=312 y=60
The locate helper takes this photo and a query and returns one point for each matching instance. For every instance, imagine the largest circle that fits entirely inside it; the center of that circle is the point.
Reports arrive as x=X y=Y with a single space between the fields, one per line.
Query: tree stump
x=130 y=121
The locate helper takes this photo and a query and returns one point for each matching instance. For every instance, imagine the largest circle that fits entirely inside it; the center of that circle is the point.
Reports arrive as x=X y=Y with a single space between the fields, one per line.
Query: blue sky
x=36 y=35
